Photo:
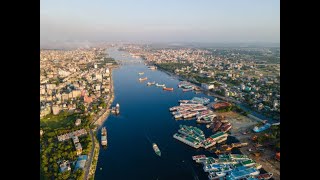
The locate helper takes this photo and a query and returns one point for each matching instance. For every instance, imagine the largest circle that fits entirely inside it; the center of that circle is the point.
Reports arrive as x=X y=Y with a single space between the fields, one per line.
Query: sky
x=208 y=21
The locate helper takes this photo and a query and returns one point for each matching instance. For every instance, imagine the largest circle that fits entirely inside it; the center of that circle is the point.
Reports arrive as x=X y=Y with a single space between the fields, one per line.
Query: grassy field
x=56 y=121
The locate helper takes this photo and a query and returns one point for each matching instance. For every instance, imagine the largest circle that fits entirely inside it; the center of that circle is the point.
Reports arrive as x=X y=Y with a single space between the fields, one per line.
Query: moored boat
x=186 y=90
x=168 y=89
x=160 y=85
x=104 y=140
x=262 y=128
x=198 y=157
x=265 y=176
x=152 y=67
x=143 y=79
x=151 y=83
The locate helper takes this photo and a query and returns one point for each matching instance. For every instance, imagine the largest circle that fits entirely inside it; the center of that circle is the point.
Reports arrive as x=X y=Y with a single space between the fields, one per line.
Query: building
x=64 y=97
x=78 y=122
x=76 y=93
x=81 y=162
x=207 y=86
x=51 y=86
x=55 y=110
x=78 y=148
x=99 y=76
x=65 y=166
x=75 y=139
x=45 y=111
x=107 y=72
x=87 y=99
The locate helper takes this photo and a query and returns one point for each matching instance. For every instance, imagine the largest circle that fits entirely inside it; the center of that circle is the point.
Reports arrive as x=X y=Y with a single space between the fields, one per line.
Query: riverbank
x=252 y=114
x=100 y=120
x=91 y=168
x=267 y=159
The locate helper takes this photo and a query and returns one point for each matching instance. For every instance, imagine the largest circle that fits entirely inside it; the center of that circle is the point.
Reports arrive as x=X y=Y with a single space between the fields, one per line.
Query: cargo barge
x=104 y=141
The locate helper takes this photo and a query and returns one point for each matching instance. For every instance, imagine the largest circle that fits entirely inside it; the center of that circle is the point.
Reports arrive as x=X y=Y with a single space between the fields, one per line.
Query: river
x=145 y=119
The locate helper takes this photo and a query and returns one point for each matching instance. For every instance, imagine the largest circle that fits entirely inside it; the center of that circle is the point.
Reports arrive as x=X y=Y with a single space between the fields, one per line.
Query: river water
x=145 y=119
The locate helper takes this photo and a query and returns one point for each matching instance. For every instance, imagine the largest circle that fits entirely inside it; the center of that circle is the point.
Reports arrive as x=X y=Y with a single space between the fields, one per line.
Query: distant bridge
x=130 y=61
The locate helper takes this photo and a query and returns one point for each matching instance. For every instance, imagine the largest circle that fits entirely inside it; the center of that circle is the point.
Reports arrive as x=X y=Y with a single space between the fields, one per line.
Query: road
x=89 y=162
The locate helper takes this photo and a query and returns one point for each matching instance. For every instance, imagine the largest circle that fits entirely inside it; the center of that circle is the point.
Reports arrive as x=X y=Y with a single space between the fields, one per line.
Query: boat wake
x=148 y=138
x=193 y=171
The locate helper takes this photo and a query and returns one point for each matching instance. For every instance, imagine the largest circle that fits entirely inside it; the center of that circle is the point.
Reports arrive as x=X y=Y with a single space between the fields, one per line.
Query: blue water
x=144 y=117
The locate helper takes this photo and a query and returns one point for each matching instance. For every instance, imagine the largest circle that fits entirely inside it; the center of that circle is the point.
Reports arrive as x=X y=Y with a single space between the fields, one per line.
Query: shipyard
x=221 y=125
x=231 y=167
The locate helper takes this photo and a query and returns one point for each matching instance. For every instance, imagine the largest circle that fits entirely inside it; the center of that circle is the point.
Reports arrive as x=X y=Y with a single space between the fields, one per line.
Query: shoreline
x=100 y=120
x=250 y=114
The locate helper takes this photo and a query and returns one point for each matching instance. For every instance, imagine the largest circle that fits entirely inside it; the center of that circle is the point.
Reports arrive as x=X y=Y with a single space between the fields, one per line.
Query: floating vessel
x=152 y=67
x=143 y=79
x=187 y=140
x=200 y=100
x=226 y=128
x=168 y=89
x=186 y=90
x=156 y=149
x=239 y=144
x=151 y=83
x=265 y=176
x=117 y=108
x=104 y=140
x=248 y=163
x=258 y=166
x=262 y=128
x=198 y=157
x=141 y=73
x=238 y=157
x=209 y=142
x=242 y=173
x=160 y=85
x=217 y=126
x=219 y=137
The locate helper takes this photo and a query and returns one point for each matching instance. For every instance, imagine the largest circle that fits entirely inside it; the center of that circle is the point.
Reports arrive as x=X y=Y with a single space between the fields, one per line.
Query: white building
x=207 y=86
x=55 y=110
x=78 y=122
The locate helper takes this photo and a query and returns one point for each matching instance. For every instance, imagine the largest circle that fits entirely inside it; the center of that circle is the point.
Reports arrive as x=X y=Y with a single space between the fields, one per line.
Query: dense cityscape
x=161 y=90
x=75 y=90
x=76 y=94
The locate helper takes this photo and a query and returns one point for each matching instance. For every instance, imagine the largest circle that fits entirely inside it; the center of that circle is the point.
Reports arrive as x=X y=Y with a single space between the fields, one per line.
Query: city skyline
x=160 y=21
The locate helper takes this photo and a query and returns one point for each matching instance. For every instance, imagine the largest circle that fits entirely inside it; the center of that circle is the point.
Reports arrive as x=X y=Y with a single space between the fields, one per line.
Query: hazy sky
x=160 y=20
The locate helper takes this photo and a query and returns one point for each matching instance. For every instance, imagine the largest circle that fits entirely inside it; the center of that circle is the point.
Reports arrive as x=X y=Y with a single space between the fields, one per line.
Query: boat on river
x=143 y=79
x=168 y=89
x=104 y=140
x=156 y=149
x=160 y=85
x=151 y=83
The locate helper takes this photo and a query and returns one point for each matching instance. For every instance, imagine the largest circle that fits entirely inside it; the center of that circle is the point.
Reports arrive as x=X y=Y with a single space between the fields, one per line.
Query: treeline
x=52 y=151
